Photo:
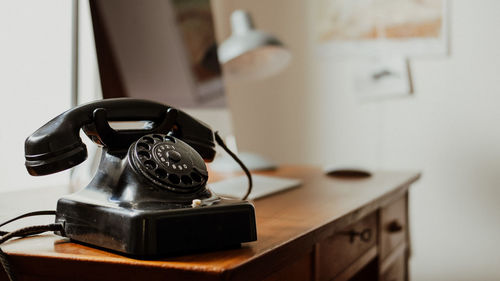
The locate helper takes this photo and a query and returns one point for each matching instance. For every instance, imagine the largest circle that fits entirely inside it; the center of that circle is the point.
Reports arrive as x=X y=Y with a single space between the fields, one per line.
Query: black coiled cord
x=23 y=232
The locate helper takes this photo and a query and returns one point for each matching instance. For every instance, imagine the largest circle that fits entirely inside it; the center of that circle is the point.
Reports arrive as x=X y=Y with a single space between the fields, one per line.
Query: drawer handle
x=365 y=235
x=394 y=227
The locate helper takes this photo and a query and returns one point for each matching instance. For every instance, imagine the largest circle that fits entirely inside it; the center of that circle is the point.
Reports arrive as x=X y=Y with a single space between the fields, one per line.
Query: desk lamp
x=249 y=55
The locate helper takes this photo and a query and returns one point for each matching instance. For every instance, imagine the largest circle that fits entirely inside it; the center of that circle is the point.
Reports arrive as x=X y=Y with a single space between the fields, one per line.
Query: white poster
x=370 y=27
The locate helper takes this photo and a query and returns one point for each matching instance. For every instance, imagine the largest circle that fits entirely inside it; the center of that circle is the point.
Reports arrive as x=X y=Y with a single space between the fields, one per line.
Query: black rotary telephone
x=149 y=195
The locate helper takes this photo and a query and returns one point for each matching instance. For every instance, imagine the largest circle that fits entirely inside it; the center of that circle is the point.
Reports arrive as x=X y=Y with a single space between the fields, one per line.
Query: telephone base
x=152 y=232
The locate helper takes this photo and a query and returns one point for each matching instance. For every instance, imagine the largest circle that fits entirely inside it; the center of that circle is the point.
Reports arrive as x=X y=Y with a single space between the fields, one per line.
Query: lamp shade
x=249 y=53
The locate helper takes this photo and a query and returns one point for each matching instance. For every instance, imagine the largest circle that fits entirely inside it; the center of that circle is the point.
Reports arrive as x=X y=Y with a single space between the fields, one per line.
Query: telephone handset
x=149 y=195
x=57 y=145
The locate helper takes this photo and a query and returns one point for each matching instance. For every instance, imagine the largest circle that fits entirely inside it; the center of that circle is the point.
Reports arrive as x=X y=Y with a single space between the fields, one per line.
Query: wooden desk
x=326 y=229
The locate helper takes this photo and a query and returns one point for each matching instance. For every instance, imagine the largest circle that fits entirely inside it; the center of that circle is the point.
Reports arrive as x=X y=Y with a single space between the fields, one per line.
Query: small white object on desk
x=262 y=186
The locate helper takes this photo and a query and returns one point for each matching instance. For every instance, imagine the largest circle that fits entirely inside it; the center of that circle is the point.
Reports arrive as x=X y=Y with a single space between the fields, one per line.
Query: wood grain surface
x=288 y=226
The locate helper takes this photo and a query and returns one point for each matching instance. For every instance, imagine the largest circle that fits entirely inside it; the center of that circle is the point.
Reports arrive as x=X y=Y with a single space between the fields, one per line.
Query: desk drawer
x=396 y=271
x=337 y=252
x=393 y=226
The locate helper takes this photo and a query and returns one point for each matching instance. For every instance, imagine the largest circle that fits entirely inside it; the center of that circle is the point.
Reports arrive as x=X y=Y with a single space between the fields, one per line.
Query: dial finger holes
x=142 y=145
x=144 y=155
x=148 y=140
x=186 y=180
x=150 y=164
x=160 y=173
x=195 y=177
x=173 y=178
x=158 y=138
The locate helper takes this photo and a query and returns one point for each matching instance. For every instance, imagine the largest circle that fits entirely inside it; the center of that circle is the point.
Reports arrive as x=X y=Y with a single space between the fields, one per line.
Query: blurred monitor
x=161 y=50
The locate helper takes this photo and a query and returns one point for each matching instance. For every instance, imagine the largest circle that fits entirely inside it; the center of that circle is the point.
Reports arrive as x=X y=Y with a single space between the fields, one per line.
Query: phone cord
x=221 y=143
x=23 y=232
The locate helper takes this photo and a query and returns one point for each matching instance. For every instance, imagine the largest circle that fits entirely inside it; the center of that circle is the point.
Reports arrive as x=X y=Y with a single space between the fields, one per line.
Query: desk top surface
x=318 y=208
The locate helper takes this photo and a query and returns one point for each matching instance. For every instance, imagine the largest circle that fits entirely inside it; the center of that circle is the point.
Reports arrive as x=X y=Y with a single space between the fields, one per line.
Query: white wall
x=449 y=130
x=35 y=68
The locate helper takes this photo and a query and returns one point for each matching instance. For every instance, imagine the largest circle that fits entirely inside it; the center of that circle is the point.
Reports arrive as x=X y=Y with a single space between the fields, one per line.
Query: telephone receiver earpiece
x=57 y=145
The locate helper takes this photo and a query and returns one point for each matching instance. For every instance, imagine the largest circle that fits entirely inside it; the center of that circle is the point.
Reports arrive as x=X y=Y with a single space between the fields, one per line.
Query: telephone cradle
x=149 y=195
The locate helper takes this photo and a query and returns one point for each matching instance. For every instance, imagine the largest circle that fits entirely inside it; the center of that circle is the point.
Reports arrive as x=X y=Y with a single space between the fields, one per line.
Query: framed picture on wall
x=158 y=50
x=382 y=78
x=399 y=27
x=195 y=25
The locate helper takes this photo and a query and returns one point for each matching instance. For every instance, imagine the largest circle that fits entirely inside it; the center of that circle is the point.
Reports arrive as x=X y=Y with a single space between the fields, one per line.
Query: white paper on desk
x=262 y=186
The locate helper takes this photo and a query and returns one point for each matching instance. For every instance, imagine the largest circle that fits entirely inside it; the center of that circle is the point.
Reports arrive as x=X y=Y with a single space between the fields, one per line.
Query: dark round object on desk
x=348 y=173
